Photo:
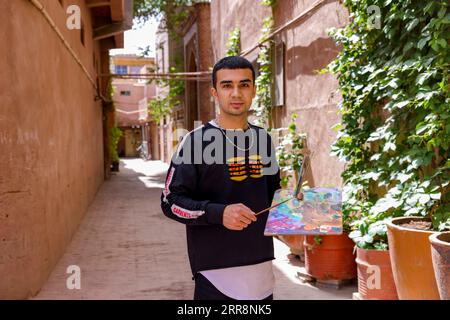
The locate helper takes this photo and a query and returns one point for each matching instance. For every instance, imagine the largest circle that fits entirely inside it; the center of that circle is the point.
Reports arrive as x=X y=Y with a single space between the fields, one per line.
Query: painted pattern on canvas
x=319 y=213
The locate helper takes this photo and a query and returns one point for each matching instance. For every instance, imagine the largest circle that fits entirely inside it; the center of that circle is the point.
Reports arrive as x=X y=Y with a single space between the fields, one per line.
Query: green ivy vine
x=269 y=2
x=234 y=43
x=289 y=151
x=114 y=132
x=160 y=107
x=395 y=131
x=263 y=102
x=172 y=14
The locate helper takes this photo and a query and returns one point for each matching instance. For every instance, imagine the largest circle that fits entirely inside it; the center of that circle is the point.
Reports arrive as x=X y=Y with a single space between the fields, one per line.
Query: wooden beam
x=110 y=30
x=98 y=3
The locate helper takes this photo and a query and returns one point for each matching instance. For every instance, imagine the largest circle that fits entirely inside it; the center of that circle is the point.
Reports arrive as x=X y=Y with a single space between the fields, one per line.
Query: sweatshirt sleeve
x=178 y=201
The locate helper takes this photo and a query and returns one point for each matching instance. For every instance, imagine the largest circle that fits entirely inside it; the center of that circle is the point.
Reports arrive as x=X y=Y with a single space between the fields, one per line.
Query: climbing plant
x=289 y=151
x=268 y=2
x=234 y=43
x=115 y=135
x=395 y=131
x=162 y=106
x=171 y=13
x=114 y=132
x=263 y=102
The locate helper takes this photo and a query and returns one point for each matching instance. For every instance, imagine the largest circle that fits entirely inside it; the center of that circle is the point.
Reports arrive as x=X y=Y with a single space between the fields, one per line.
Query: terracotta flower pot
x=411 y=260
x=375 y=279
x=295 y=243
x=332 y=259
x=440 y=254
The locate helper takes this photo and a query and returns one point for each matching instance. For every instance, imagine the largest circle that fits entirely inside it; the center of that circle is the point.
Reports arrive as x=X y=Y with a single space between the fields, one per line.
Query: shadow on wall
x=311 y=59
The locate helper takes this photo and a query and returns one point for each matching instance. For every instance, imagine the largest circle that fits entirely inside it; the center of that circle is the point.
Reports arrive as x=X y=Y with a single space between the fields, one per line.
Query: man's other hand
x=300 y=196
x=237 y=216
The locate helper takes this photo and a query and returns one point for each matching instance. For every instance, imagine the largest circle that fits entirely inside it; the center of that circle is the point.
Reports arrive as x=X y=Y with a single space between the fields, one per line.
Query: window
x=278 y=74
x=135 y=69
x=121 y=69
x=256 y=68
x=161 y=57
x=82 y=33
x=125 y=93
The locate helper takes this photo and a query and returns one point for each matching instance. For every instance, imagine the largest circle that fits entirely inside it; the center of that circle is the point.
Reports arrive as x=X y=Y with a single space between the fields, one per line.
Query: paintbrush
x=297 y=189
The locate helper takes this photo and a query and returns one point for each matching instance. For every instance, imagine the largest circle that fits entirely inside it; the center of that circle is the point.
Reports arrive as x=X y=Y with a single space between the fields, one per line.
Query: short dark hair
x=232 y=62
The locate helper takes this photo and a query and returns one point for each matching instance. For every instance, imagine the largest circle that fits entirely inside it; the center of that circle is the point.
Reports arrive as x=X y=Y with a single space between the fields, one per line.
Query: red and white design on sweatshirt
x=184 y=213
x=166 y=190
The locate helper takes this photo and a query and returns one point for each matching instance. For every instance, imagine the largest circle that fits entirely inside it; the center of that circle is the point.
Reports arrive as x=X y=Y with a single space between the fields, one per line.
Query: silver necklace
x=225 y=135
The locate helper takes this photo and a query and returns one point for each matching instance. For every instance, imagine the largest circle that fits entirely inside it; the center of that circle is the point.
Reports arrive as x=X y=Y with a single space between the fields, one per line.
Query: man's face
x=235 y=90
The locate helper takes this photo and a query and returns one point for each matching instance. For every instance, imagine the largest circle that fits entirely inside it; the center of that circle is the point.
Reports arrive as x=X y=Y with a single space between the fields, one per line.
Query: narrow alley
x=127 y=249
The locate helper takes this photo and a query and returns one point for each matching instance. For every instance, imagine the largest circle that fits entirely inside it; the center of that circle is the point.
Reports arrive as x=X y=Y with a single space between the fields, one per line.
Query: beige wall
x=127 y=106
x=248 y=15
x=308 y=49
x=50 y=139
x=314 y=97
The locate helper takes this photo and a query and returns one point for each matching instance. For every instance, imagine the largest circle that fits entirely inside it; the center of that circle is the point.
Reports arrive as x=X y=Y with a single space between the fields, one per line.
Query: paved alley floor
x=127 y=249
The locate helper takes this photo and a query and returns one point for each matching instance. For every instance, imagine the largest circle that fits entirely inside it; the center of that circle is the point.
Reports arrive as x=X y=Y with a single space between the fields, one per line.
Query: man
x=221 y=175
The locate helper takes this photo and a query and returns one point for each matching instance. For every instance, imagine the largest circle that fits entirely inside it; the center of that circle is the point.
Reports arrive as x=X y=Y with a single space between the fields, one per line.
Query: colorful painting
x=318 y=213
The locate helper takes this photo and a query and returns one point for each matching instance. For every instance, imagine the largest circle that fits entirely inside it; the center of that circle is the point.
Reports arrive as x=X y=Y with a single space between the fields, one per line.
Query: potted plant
x=440 y=254
x=290 y=157
x=411 y=258
x=395 y=131
x=375 y=277
x=115 y=136
x=427 y=212
x=330 y=257
x=409 y=239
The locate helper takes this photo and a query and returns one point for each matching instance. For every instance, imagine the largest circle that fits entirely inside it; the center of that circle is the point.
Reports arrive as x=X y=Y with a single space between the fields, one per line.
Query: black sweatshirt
x=197 y=190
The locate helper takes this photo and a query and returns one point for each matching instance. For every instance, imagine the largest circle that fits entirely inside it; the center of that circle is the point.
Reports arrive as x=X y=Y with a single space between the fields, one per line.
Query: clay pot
x=295 y=243
x=332 y=259
x=411 y=261
x=440 y=254
x=375 y=279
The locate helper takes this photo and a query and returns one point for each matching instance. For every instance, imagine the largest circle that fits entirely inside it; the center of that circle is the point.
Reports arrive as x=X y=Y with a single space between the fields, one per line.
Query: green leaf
x=435 y=196
x=367 y=238
x=442 y=12
x=422 y=78
x=355 y=234
x=375 y=157
x=411 y=25
x=435 y=45
x=372 y=175
x=393 y=83
x=389 y=146
x=402 y=104
x=404 y=177
x=337 y=127
x=442 y=43
x=424 y=199
x=422 y=42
